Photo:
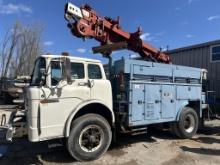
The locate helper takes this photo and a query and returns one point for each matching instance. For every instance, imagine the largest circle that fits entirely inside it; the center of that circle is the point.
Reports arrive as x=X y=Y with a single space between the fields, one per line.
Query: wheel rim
x=189 y=123
x=91 y=138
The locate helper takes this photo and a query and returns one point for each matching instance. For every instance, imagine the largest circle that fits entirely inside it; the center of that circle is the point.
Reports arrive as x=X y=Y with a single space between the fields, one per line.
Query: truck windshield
x=36 y=76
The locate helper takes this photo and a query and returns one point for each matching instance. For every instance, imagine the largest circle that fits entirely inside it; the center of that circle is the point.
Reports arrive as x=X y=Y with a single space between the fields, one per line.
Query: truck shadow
x=207 y=140
x=205 y=137
x=23 y=152
x=210 y=130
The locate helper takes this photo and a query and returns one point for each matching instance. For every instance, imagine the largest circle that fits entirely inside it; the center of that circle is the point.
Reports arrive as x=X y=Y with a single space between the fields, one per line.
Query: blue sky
x=175 y=23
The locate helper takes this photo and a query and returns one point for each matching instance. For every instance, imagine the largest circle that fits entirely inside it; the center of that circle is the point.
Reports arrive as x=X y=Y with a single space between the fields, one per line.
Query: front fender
x=78 y=108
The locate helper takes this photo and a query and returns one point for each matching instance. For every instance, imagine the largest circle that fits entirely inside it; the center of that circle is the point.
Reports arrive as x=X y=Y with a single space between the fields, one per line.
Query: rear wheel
x=89 y=138
x=187 y=125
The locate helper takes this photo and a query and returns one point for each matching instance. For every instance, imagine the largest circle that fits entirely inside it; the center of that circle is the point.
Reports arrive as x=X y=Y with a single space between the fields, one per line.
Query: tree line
x=19 y=48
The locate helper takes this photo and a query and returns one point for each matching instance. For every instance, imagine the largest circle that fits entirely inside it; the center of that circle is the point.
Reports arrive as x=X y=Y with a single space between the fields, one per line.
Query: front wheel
x=90 y=137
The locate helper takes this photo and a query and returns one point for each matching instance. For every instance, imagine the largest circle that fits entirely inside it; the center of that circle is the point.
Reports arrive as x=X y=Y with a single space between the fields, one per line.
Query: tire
x=89 y=138
x=188 y=123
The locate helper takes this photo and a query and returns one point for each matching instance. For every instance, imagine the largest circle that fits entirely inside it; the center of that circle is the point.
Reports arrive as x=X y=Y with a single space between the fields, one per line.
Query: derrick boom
x=85 y=23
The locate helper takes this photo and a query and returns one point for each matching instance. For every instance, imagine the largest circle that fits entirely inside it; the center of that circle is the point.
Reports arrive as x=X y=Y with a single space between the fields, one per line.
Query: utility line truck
x=71 y=97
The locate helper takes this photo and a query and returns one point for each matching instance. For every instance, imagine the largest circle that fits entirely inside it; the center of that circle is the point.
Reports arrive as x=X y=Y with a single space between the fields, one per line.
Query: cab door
x=100 y=87
x=58 y=100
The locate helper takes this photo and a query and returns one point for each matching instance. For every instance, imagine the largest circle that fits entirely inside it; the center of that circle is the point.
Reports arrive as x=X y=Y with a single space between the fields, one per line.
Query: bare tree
x=20 y=48
x=8 y=47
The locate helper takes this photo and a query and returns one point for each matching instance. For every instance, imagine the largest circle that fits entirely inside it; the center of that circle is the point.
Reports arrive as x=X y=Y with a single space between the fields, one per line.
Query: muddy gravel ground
x=161 y=148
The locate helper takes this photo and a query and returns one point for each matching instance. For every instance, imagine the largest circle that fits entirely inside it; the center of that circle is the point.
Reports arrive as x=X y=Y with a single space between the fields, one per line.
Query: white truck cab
x=62 y=93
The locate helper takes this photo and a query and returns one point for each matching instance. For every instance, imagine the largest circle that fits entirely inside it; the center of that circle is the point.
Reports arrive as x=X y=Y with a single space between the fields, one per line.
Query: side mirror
x=43 y=76
x=67 y=66
x=43 y=71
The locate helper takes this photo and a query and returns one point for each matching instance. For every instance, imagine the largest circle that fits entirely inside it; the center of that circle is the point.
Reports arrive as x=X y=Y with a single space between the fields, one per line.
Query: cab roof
x=72 y=58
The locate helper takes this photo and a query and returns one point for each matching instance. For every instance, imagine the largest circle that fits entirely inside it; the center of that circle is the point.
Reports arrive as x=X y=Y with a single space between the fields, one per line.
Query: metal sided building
x=205 y=55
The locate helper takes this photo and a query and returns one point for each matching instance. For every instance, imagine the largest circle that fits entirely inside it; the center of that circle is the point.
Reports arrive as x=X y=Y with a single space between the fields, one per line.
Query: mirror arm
x=68 y=71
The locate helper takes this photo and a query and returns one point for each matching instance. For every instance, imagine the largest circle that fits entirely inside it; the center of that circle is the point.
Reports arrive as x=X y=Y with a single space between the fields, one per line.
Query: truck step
x=55 y=143
x=136 y=131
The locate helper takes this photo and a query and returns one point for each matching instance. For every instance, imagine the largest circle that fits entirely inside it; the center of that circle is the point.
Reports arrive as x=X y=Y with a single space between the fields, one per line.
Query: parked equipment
x=11 y=90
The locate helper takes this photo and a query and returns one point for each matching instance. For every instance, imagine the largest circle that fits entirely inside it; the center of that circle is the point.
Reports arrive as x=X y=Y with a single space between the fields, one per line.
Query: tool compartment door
x=137 y=102
x=153 y=101
x=168 y=101
x=189 y=92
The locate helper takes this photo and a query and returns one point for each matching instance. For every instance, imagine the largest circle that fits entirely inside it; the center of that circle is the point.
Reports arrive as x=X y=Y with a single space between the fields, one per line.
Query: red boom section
x=108 y=32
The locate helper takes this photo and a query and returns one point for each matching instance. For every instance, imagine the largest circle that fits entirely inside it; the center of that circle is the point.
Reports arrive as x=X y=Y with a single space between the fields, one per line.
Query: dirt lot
x=162 y=148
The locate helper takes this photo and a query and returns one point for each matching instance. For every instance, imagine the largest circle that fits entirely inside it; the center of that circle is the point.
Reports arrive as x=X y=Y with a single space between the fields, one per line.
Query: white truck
x=70 y=97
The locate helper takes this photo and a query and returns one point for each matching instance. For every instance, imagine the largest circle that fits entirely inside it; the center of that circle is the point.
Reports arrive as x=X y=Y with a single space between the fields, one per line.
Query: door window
x=77 y=71
x=94 y=71
x=56 y=72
